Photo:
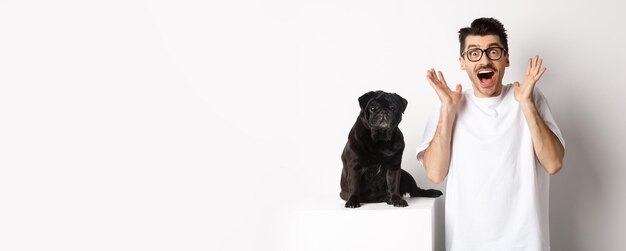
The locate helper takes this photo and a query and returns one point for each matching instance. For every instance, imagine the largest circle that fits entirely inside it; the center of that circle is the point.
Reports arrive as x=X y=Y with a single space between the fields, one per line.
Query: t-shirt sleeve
x=429 y=133
x=544 y=111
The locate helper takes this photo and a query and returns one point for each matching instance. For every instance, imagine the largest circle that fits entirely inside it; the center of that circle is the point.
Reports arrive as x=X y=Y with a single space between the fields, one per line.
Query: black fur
x=372 y=157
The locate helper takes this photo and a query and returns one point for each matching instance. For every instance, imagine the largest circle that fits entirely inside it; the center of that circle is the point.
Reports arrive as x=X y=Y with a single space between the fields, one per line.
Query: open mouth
x=486 y=77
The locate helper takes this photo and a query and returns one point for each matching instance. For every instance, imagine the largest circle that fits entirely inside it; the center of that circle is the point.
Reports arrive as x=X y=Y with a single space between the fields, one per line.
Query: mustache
x=490 y=66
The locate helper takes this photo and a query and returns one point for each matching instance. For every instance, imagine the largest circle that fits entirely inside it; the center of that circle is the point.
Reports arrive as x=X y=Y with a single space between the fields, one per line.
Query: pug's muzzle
x=382 y=126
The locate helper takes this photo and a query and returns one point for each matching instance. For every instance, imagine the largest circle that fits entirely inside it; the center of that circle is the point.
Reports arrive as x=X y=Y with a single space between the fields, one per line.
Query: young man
x=497 y=145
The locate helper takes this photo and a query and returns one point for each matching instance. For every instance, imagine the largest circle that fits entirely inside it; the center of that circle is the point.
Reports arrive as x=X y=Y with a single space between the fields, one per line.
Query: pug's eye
x=373 y=108
x=393 y=108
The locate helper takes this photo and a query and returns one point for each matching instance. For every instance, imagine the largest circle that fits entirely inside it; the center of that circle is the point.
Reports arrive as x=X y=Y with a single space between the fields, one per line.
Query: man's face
x=486 y=74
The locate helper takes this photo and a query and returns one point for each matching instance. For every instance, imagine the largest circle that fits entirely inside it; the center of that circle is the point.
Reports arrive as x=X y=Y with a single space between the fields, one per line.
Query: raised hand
x=449 y=98
x=524 y=93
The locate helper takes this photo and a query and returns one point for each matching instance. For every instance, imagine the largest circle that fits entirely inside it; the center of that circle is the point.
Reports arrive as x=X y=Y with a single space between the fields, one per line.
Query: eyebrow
x=477 y=46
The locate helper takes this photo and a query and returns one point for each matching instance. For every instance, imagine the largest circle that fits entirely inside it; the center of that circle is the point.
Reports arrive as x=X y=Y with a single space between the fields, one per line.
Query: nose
x=385 y=114
x=484 y=59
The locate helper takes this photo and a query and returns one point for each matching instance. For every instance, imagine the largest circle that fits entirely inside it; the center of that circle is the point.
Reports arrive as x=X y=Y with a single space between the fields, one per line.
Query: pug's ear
x=365 y=98
x=402 y=101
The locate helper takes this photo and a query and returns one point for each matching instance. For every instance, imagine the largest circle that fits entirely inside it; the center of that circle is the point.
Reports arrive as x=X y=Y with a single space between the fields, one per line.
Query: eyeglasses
x=475 y=54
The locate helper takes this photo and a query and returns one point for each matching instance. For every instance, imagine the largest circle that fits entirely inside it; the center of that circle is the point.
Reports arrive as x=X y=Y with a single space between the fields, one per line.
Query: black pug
x=371 y=158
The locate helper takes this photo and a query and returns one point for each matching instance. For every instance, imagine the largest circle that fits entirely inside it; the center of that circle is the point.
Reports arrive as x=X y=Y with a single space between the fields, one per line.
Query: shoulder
x=507 y=90
x=538 y=97
x=467 y=92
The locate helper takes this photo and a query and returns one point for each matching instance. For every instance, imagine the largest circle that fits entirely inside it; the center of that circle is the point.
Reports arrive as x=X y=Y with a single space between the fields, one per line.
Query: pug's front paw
x=397 y=201
x=353 y=202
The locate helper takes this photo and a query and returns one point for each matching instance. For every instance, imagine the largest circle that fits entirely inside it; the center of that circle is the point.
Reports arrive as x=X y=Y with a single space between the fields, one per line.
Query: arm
x=437 y=155
x=548 y=147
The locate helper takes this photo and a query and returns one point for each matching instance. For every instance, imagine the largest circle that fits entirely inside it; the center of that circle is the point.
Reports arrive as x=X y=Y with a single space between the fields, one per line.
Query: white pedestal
x=327 y=225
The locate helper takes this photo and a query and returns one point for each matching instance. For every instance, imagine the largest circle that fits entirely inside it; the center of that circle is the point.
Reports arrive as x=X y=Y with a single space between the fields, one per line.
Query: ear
x=507 y=60
x=366 y=98
x=462 y=62
x=402 y=101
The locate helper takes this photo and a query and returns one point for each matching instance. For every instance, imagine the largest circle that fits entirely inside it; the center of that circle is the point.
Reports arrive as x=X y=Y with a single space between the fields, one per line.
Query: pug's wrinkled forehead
x=378 y=100
x=381 y=98
x=383 y=101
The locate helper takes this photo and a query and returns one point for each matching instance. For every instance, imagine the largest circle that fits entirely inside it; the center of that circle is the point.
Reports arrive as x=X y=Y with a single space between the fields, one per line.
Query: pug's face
x=381 y=112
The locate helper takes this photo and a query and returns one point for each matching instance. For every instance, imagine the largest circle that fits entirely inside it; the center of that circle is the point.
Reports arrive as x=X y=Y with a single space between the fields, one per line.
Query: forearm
x=548 y=147
x=437 y=155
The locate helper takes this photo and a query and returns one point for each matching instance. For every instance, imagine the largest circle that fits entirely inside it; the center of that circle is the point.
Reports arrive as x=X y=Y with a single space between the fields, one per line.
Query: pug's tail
x=409 y=186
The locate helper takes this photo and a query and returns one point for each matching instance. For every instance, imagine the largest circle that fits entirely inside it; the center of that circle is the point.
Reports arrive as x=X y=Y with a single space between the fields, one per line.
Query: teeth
x=484 y=71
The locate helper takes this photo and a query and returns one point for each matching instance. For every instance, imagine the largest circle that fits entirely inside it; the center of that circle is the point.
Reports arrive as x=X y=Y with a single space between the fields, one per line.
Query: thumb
x=516 y=84
x=459 y=88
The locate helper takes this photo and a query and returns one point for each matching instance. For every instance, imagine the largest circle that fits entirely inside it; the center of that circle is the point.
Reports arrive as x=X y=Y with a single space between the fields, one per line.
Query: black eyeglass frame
x=483 y=52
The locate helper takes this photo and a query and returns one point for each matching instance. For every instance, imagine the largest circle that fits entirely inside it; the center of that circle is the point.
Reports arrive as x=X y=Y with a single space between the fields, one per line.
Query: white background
x=194 y=125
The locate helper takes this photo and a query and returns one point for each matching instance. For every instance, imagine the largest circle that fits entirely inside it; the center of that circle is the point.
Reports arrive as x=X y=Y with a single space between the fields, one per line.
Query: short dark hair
x=482 y=27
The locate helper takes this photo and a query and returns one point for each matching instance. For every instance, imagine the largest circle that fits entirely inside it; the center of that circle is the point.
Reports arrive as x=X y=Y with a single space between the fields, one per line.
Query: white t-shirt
x=497 y=192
